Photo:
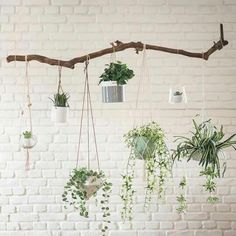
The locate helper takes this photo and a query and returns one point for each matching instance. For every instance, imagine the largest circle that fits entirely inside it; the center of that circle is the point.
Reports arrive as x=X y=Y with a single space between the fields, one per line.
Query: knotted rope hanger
x=120 y=46
x=89 y=110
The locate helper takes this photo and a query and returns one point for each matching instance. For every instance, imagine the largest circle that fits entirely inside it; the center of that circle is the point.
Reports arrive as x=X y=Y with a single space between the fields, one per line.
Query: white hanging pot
x=59 y=114
x=91 y=186
x=28 y=143
x=111 y=92
x=177 y=96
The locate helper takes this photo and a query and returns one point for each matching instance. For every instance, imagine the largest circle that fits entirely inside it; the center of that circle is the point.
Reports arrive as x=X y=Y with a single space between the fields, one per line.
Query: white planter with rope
x=60 y=101
x=59 y=114
x=177 y=95
x=26 y=139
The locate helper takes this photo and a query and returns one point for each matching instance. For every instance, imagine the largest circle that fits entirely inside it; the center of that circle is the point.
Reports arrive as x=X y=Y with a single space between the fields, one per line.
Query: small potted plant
x=60 y=107
x=28 y=140
x=82 y=185
x=177 y=96
x=113 y=80
x=207 y=147
x=147 y=143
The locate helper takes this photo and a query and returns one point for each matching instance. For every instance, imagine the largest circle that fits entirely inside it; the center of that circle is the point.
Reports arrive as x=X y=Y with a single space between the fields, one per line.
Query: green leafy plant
x=27 y=134
x=82 y=185
x=117 y=71
x=178 y=93
x=147 y=143
x=60 y=99
x=205 y=146
x=181 y=198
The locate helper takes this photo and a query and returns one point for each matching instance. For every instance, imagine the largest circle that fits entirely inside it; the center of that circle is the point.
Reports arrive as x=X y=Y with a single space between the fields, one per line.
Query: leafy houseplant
x=113 y=80
x=82 y=185
x=147 y=143
x=59 y=110
x=27 y=134
x=181 y=198
x=205 y=146
x=178 y=93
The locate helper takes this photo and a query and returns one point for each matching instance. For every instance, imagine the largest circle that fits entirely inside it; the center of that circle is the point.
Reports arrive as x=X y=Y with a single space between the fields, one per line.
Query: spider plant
x=205 y=146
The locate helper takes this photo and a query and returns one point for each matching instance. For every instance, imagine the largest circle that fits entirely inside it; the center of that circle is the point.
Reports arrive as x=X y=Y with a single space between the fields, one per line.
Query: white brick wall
x=30 y=202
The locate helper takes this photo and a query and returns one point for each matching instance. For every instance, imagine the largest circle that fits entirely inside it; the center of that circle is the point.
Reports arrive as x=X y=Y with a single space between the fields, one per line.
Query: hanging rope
x=144 y=75
x=29 y=104
x=203 y=111
x=87 y=97
x=59 y=87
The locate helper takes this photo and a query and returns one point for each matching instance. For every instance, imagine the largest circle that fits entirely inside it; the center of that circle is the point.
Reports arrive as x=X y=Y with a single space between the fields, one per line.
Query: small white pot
x=59 y=114
x=111 y=92
x=28 y=143
x=177 y=98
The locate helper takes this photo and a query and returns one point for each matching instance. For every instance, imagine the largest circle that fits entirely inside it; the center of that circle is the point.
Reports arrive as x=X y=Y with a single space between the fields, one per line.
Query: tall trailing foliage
x=146 y=143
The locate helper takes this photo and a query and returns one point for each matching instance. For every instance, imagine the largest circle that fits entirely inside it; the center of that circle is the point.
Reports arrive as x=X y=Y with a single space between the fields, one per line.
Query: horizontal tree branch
x=119 y=46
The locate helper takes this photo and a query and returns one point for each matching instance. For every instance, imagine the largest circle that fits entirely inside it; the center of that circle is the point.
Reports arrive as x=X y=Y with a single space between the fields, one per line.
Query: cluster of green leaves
x=178 y=93
x=60 y=99
x=117 y=71
x=27 y=134
x=127 y=190
x=152 y=148
x=210 y=184
x=205 y=144
x=75 y=193
x=181 y=198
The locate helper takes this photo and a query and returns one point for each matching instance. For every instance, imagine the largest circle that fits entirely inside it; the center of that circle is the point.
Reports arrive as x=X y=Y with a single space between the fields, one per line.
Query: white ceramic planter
x=59 y=114
x=177 y=98
x=28 y=143
x=111 y=92
x=92 y=185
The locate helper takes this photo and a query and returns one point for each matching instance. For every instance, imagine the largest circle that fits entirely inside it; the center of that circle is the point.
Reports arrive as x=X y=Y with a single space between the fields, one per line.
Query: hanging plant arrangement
x=27 y=140
x=60 y=102
x=85 y=182
x=113 y=80
x=206 y=146
x=146 y=143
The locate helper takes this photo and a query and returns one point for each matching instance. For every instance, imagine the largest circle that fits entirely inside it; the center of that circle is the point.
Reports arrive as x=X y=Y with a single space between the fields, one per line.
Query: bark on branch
x=120 y=46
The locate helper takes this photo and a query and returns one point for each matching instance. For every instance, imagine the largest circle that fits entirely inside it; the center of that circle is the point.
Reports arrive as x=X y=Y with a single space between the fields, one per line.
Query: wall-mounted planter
x=59 y=114
x=111 y=92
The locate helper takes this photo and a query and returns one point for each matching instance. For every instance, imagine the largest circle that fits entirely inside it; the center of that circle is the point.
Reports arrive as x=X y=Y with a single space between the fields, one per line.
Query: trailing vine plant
x=205 y=146
x=147 y=143
x=181 y=197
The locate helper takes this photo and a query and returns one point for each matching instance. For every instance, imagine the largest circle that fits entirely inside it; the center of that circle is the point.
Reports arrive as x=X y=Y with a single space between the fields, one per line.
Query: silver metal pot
x=111 y=92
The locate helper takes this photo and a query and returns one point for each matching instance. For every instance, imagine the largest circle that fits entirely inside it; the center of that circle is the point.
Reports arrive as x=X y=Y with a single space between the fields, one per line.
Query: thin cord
x=203 y=91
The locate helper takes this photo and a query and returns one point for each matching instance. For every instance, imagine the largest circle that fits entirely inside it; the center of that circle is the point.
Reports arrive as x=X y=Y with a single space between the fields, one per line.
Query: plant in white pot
x=60 y=107
x=147 y=143
x=206 y=146
x=113 y=80
x=81 y=186
x=28 y=140
x=177 y=96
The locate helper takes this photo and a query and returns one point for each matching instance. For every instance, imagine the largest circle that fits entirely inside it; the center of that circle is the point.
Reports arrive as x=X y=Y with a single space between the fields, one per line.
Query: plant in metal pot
x=113 y=79
x=206 y=146
x=146 y=143
x=81 y=186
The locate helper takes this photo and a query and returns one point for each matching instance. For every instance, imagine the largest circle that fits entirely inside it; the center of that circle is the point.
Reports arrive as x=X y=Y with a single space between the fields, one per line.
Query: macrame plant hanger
x=87 y=107
x=31 y=142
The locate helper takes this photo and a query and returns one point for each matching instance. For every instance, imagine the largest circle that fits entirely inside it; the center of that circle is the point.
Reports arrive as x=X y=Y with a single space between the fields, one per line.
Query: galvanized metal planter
x=111 y=92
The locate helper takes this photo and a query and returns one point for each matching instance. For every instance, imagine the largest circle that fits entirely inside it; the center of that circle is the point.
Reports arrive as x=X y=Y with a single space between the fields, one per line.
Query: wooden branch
x=119 y=46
